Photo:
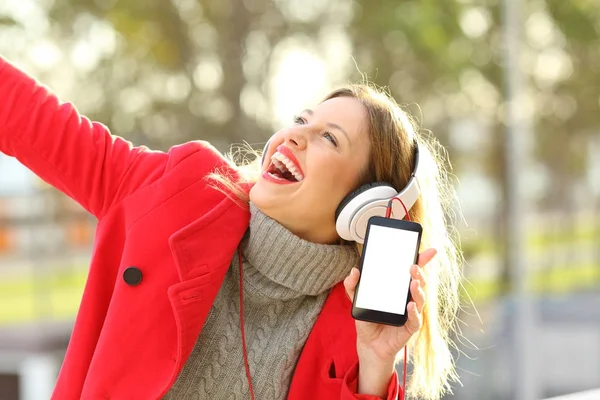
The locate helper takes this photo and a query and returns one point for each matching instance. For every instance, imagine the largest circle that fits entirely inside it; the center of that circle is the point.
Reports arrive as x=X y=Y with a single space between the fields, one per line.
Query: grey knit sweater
x=286 y=282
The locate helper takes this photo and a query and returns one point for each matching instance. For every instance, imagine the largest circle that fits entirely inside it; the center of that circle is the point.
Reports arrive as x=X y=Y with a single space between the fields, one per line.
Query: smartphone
x=391 y=247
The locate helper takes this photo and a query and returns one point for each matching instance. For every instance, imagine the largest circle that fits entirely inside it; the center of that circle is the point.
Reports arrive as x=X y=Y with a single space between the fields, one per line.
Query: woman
x=162 y=316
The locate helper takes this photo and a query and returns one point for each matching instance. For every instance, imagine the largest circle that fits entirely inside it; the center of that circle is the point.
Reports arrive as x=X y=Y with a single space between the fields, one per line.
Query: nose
x=296 y=138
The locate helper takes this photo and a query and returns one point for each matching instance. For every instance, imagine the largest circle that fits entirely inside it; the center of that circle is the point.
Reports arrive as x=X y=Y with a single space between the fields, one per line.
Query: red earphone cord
x=241 y=265
x=388 y=213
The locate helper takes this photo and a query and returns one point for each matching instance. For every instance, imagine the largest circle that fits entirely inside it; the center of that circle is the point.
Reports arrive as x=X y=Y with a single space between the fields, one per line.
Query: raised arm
x=77 y=156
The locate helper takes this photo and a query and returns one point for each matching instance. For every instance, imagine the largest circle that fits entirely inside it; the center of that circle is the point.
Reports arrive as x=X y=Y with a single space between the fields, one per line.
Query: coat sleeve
x=79 y=157
x=350 y=386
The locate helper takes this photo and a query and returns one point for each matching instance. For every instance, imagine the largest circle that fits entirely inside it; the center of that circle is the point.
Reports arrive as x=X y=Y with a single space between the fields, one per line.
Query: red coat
x=155 y=214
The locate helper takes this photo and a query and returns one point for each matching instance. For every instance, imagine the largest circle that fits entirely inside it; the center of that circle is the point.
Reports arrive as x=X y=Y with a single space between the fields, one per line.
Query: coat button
x=132 y=276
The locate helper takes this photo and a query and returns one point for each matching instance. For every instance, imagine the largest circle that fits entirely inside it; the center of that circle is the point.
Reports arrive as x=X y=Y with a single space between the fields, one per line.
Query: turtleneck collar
x=292 y=263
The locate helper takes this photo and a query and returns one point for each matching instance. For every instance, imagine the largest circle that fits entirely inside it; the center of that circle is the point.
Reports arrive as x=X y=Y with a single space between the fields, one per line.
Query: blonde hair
x=392 y=136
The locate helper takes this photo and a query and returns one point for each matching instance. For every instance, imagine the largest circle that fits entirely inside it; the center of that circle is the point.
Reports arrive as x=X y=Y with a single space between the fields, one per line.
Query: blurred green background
x=160 y=72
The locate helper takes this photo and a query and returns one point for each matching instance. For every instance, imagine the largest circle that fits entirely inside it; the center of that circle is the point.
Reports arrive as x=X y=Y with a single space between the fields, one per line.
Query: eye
x=299 y=120
x=330 y=137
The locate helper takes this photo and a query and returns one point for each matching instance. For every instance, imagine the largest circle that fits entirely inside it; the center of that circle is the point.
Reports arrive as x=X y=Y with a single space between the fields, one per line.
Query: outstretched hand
x=378 y=344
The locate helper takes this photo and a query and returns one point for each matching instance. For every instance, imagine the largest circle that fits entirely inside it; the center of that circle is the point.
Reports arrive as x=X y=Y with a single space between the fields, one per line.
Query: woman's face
x=311 y=166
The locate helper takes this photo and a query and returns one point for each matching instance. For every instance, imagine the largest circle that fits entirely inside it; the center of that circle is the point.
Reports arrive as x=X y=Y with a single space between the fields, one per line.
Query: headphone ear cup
x=355 y=193
x=357 y=200
x=264 y=152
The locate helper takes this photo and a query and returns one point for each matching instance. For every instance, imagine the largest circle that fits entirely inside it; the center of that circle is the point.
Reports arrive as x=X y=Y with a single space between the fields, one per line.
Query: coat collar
x=202 y=251
x=193 y=248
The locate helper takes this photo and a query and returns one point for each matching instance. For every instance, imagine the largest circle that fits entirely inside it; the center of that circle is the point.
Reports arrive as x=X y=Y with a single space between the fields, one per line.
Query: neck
x=305 y=266
x=320 y=233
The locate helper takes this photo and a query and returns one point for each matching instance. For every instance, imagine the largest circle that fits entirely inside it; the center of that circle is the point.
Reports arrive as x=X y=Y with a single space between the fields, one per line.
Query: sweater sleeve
x=350 y=386
x=79 y=157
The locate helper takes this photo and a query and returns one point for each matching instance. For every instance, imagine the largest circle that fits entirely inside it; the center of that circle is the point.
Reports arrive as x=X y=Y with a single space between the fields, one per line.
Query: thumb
x=426 y=256
x=350 y=283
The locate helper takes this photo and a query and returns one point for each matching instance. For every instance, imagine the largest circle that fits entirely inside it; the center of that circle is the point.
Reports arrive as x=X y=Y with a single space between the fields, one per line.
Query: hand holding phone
x=382 y=294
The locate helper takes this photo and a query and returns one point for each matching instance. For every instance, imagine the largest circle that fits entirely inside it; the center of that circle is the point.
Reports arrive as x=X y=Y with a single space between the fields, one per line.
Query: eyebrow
x=330 y=124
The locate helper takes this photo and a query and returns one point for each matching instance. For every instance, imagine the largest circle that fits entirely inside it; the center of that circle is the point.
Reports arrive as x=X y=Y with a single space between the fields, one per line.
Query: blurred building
x=45 y=242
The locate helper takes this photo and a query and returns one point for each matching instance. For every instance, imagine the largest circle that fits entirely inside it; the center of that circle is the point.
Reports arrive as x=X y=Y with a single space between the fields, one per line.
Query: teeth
x=282 y=163
x=279 y=165
x=275 y=176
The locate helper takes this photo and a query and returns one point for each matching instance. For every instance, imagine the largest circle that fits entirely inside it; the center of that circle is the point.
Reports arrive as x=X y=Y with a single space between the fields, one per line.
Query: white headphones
x=371 y=199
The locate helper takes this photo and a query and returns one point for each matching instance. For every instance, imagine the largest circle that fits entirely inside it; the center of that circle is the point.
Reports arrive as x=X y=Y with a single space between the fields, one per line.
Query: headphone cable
x=244 y=350
x=246 y=364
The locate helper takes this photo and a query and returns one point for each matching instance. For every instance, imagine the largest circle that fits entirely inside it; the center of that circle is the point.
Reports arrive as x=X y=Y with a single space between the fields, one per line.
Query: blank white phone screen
x=385 y=275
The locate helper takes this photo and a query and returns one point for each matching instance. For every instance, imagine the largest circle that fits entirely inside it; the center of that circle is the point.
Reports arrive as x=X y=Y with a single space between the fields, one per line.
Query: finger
x=418 y=295
x=415 y=320
x=416 y=273
x=426 y=256
x=350 y=283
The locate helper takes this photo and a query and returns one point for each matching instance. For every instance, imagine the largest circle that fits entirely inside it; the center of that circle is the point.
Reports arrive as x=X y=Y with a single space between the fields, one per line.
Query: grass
x=553 y=281
x=59 y=295
x=56 y=294
x=536 y=241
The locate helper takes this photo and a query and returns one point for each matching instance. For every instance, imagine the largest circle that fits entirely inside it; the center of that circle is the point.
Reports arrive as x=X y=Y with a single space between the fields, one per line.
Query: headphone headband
x=371 y=200
x=411 y=192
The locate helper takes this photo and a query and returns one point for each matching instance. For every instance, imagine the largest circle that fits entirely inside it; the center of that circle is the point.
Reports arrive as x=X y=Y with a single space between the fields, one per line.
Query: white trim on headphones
x=409 y=196
x=345 y=224
x=351 y=224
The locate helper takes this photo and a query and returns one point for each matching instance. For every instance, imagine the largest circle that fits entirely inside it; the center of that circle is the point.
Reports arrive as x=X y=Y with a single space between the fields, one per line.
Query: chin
x=272 y=205
x=261 y=198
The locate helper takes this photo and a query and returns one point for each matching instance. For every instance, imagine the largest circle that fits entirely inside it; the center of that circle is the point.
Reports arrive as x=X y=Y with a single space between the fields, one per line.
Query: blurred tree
x=444 y=56
x=447 y=57
x=566 y=66
x=160 y=72
x=6 y=21
x=174 y=70
x=165 y=71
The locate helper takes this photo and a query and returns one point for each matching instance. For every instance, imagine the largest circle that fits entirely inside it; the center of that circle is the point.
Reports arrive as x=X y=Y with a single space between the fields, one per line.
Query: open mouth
x=282 y=168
